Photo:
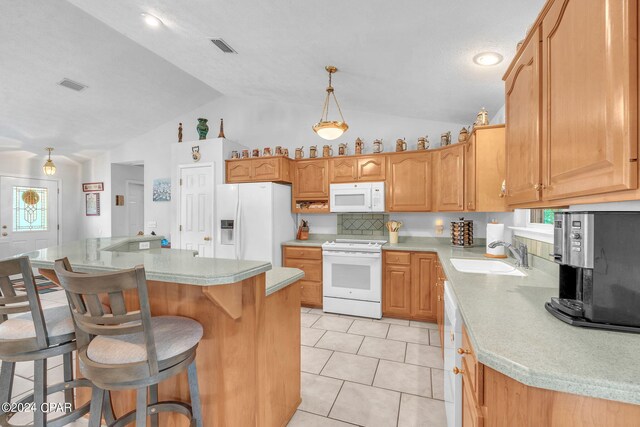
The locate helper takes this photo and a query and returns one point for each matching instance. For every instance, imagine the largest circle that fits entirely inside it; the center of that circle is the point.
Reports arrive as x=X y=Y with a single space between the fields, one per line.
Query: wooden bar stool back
x=128 y=349
x=30 y=333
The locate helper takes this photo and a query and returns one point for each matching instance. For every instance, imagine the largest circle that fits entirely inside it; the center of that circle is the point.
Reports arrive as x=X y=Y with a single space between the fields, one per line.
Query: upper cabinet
x=409 y=182
x=357 y=168
x=485 y=170
x=343 y=169
x=470 y=174
x=589 y=94
x=274 y=169
x=372 y=168
x=522 y=110
x=572 y=106
x=448 y=176
x=311 y=179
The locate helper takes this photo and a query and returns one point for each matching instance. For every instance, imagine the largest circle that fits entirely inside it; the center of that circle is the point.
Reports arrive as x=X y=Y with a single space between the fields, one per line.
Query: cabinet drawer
x=312 y=269
x=302 y=253
x=394 y=257
x=472 y=371
x=311 y=292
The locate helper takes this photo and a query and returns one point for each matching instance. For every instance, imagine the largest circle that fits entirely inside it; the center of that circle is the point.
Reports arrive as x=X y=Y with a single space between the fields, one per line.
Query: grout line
x=375 y=373
x=335 y=399
x=327 y=361
x=399 y=409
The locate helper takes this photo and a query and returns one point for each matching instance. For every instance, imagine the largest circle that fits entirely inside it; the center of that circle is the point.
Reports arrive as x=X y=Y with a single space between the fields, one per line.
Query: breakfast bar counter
x=249 y=358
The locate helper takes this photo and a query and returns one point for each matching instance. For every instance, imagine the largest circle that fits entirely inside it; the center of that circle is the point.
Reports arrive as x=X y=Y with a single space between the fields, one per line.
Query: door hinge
x=180 y=181
x=180 y=228
x=58 y=191
x=58 y=226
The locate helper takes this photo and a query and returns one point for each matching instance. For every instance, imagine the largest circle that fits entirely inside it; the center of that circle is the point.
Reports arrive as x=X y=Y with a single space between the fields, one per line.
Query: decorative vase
x=202 y=128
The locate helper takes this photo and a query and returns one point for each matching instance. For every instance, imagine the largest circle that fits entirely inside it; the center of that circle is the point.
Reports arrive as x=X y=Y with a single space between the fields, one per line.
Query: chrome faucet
x=521 y=254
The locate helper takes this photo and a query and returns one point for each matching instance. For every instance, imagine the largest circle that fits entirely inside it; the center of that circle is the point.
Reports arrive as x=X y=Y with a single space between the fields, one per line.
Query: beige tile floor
x=367 y=372
x=355 y=371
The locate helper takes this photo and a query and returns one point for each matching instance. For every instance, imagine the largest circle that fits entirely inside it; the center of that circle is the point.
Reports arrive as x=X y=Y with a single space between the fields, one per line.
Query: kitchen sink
x=485 y=266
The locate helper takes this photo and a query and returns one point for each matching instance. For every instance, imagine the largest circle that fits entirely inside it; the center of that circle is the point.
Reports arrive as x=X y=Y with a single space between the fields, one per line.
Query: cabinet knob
x=463 y=351
x=457 y=371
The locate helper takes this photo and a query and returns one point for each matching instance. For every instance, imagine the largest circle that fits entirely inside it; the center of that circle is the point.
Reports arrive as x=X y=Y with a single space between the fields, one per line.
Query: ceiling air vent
x=223 y=46
x=70 y=84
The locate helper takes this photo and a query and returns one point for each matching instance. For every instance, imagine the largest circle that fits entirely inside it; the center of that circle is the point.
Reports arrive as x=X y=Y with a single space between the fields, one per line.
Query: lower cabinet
x=308 y=260
x=408 y=285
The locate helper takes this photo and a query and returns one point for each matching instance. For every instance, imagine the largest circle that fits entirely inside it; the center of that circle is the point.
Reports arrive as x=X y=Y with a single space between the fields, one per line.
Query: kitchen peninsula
x=249 y=358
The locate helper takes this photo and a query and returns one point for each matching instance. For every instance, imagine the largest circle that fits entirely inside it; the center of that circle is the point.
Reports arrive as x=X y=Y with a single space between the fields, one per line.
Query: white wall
x=120 y=175
x=251 y=122
x=29 y=165
x=499 y=117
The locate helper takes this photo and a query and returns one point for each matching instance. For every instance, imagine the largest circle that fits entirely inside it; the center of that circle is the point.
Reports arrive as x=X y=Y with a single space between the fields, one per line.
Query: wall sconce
x=439 y=227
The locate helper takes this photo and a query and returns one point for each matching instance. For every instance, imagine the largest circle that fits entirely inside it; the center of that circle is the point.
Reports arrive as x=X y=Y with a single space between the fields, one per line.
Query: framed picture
x=92 y=186
x=92 y=204
x=162 y=190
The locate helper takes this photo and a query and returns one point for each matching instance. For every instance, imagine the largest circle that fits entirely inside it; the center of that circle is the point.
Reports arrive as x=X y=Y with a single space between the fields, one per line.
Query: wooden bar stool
x=129 y=349
x=34 y=334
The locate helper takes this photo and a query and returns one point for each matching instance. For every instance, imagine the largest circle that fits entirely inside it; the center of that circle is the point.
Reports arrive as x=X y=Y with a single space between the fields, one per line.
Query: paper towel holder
x=494 y=256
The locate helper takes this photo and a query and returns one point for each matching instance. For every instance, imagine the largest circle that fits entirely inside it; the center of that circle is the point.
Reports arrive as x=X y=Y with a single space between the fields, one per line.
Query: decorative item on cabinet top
x=423 y=143
x=359 y=144
x=221 y=133
x=342 y=149
x=313 y=152
x=202 y=128
x=482 y=119
x=401 y=145
x=299 y=153
x=445 y=139
x=378 y=146
x=463 y=135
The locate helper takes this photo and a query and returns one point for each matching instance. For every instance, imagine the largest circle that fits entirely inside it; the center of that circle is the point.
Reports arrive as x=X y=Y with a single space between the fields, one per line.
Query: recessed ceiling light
x=152 y=21
x=487 y=58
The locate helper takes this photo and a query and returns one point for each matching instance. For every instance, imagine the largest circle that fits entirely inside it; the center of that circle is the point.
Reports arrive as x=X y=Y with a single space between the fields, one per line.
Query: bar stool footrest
x=155 y=409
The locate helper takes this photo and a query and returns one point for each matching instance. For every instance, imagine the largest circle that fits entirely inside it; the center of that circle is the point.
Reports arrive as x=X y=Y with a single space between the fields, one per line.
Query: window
x=539 y=217
x=30 y=209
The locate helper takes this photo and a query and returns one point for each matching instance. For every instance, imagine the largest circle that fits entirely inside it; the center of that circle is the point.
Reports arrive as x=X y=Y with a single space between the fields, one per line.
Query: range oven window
x=351 y=276
x=349 y=200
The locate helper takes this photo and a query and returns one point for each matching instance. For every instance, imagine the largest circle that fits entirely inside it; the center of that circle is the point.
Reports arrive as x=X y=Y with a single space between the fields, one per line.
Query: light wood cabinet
x=311 y=179
x=409 y=285
x=357 y=168
x=409 y=182
x=522 y=109
x=372 y=168
x=309 y=260
x=470 y=174
x=343 y=169
x=471 y=414
x=448 y=176
x=489 y=153
x=589 y=87
x=262 y=169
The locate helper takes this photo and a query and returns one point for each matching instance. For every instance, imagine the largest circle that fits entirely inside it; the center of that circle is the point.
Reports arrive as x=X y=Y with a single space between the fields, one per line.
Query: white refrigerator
x=252 y=221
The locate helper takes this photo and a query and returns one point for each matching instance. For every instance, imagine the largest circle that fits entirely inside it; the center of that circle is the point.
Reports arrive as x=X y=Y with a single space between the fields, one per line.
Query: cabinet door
x=343 y=170
x=396 y=291
x=423 y=286
x=311 y=293
x=238 y=171
x=471 y=415
x=265 y=169
x=449 y=178
x=589 y=87
x=371 y=168
x=470 y=174
x=312 y=179
x=522 y=111
x=409 y=184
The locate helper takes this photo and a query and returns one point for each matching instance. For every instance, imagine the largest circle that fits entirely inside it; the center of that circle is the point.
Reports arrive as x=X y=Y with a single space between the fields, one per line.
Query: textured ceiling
x=408 y=58
x=131 y=89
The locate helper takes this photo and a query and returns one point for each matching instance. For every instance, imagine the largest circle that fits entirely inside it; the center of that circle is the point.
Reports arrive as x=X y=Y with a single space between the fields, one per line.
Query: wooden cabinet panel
x=343 y=169
x=440 y=278
x=471 y=414
x=395 y=257
x=473 y=371
x=423 y=286
x=589 y=87
x=310 y=293
x=522 y=111
x=311 y=179
x=265 y=169
x=238 y=171
x=409 y=183
x=372 y=168
x=312 y=269
x=302 y=252
x=397 y=290
x=448 y=173
x=489 y=154
x=470 y=174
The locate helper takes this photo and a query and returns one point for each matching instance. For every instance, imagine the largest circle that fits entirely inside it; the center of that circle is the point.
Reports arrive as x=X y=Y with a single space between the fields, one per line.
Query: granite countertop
x=165 y=265
x=512 y=332
x=281 y=277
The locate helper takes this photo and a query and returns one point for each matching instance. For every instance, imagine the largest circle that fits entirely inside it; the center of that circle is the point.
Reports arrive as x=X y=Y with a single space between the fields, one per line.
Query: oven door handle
x=351 y=254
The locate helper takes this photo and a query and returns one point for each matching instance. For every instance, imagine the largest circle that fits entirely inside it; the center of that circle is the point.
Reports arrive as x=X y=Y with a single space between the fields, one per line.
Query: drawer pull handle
x=458 y=371
x=463 y=351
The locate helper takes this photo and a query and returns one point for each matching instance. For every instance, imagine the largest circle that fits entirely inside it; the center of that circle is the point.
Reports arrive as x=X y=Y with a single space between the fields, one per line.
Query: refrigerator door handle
x=238 y=247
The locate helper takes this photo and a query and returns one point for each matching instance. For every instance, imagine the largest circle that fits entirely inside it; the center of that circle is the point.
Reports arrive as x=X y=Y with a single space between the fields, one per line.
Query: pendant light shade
x=325 y=128
x=49 y=168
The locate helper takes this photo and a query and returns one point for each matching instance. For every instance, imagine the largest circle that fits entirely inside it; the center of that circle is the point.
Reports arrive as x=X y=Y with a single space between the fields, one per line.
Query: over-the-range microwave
x=357 y=197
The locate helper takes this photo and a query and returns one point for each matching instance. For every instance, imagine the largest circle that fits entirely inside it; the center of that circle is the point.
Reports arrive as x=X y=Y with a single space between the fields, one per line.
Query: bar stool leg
x=107 y=408
x=67 y=365
x=40 y=392
x=141 y=408
x=153 y=399
x=95 y=410
x=6 y=381
x=194 y=391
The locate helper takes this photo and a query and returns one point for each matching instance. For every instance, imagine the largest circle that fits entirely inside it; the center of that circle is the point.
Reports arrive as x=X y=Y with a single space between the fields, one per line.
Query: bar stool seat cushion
x=57 y=319
x=173 y=335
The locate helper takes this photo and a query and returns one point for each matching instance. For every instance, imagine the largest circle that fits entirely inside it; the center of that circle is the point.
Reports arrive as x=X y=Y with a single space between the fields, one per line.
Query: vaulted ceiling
x=408 y=58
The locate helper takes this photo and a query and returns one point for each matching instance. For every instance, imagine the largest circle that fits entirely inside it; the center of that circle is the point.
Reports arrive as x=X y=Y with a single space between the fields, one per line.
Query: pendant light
x=325 y=128
x=49 y=168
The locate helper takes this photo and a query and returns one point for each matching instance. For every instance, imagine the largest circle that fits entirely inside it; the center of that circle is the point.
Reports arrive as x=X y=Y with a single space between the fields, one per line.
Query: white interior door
x=196 y=209
x=28 y=215
x=135 y=207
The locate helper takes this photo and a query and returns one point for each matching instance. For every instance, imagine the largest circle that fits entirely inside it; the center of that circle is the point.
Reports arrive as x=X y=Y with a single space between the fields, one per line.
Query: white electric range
x=352 y=277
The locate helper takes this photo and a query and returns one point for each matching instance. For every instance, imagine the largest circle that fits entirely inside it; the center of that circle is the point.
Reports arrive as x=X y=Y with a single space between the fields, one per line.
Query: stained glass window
x=542 y=216
x=30 y=209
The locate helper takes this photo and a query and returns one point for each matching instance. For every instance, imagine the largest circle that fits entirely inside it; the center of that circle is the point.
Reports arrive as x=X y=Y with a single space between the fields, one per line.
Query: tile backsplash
x=536 y=247
x=362 y=224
